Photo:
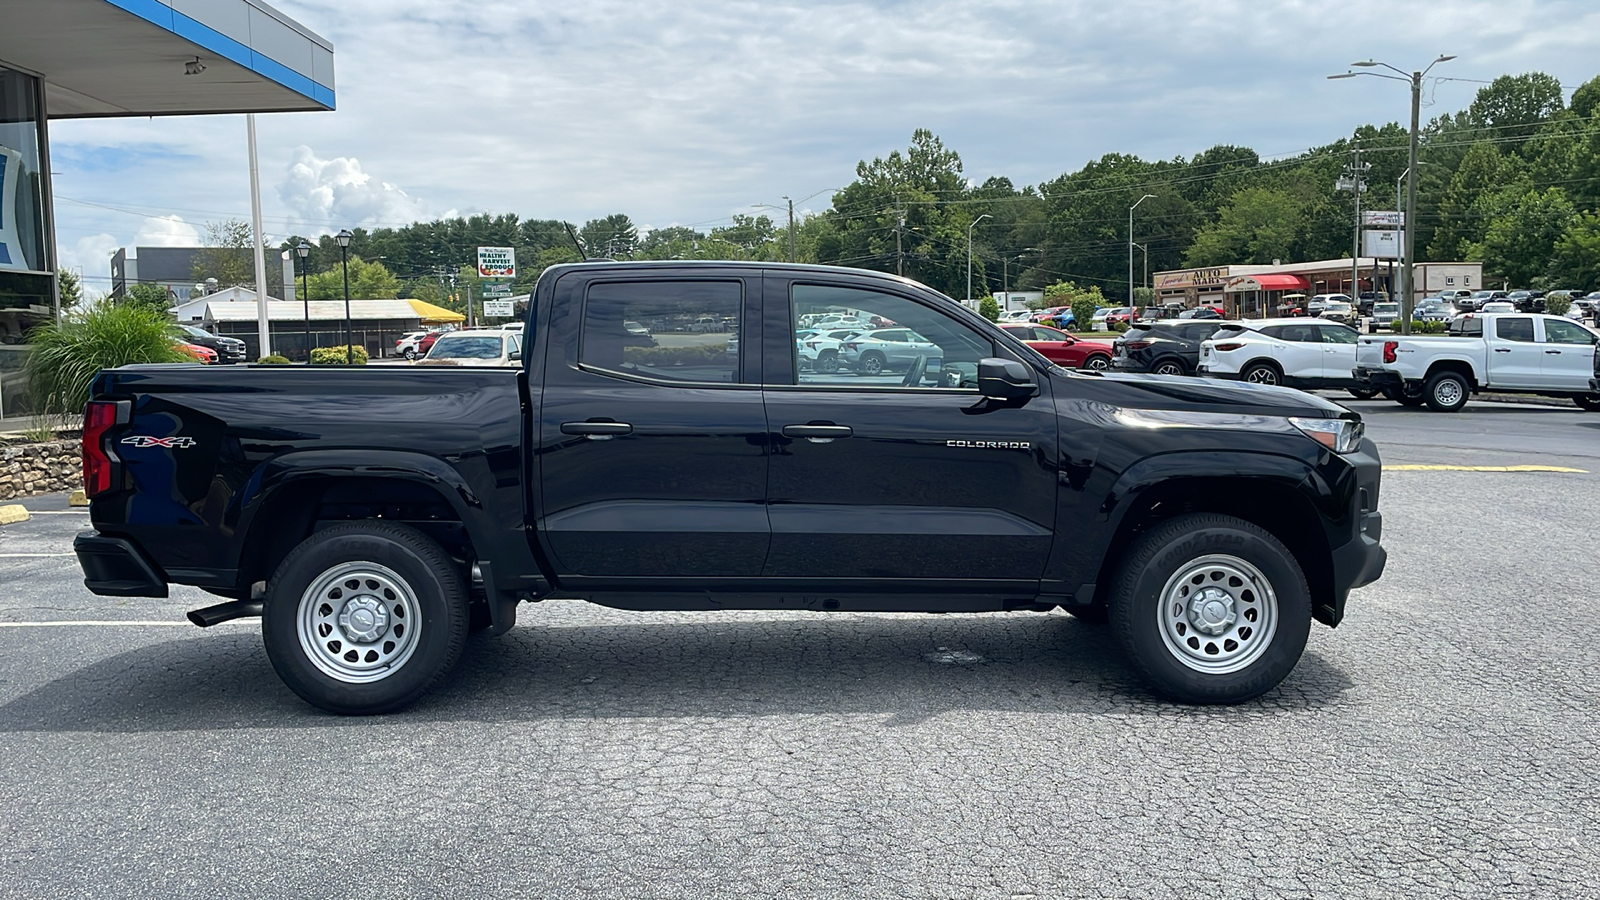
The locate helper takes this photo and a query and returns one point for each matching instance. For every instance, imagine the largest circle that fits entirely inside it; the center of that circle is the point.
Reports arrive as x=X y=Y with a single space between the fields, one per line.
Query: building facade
x=1256 y=291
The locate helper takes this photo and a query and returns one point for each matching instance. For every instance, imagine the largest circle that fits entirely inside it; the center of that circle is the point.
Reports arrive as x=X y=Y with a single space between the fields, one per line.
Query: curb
x=11 y=515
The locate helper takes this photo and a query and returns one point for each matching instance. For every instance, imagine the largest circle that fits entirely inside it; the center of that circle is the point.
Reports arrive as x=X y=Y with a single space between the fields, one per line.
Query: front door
x=1568 y=355
x=1338 y=354
x=894 y=467
x=653 y=450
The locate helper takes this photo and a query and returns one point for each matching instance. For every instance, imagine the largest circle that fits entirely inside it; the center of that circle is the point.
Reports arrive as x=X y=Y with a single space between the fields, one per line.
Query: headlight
x=1338 y=435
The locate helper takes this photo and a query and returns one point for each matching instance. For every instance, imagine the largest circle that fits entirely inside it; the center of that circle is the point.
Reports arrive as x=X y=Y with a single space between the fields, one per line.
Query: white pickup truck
x=1512 y=353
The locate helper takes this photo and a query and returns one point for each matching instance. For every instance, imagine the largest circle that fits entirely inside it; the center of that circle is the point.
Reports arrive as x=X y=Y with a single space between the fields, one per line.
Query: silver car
x=884 y=349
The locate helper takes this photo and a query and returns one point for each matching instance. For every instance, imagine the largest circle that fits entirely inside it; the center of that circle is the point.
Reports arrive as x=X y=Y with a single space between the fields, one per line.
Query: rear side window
x=1516 y=328
x=1469 y=327
x=664 y=330
x=1197 y=332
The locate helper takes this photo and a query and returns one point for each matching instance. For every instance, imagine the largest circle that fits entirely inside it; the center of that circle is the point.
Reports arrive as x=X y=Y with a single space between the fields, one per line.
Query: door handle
x=817 y=432
x=1502 y=349
x=596 y=429
x=1557 y=352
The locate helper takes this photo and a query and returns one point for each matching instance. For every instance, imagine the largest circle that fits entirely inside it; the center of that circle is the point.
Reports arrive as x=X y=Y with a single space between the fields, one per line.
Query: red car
x=1061 y=348
x=427 y=342
x=203 y=354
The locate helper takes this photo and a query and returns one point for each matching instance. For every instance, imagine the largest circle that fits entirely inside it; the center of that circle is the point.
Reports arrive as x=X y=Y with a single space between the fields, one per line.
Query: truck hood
x=1141 y=391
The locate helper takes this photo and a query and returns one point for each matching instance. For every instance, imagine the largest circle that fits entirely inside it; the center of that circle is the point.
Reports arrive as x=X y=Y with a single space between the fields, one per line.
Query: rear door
x=1300 y=351
x=1568 y=355
x=905 y=476
x=1516 y=359
x=653 y=448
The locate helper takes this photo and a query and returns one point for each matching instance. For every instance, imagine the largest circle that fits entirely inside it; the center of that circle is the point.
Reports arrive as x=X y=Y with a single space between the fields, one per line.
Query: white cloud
x=322 y=191
x=166 y=231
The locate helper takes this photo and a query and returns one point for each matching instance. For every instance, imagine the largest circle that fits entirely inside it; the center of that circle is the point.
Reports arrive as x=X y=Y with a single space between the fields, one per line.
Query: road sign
x=1375 y=218
x=499 y=308
x=493 y=289
x=1382 y=244
x=497 y=262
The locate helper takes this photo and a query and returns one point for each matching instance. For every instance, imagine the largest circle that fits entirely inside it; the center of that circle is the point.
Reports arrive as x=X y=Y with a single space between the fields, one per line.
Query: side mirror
x=515 y=354
x=1005 y=379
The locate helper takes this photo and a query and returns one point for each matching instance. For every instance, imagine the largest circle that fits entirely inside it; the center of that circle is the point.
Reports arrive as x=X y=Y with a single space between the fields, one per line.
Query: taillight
x=1389 y=348
x=99 y=464
x=1232 y=345
x=1136 y=345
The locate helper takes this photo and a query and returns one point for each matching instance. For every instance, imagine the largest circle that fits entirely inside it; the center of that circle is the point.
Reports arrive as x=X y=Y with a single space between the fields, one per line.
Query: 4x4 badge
x=144 y=440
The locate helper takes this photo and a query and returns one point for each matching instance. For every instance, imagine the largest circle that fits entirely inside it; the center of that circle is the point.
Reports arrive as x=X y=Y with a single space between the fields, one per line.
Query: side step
x=225 y=612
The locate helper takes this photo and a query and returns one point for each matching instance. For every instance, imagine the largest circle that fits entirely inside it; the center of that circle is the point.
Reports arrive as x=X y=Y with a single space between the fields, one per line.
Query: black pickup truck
x=374 y=516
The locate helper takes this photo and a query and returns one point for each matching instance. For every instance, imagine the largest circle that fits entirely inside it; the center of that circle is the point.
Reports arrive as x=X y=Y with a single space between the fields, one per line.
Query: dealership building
x=70 y=59
x=1257 y=291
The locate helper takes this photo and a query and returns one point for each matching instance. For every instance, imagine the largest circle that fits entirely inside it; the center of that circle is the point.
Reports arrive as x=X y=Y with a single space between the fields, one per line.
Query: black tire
x=404 y=580
x=828 y=362
x=1588 y=402
x=1399 y=396
x=1093 y=615
x=1363 y=393
x=1261 y=373
x=872 y=363
x=1446 y=392
x=410 y=353
x=1097 y=362
x=1275 y=623
x=1169 y=367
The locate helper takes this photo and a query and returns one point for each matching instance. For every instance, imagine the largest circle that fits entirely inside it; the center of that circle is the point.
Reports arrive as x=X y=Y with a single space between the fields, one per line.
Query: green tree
x=1576 y=260
x=1257 y=225
x=1515 y=105
x=1519 y=243
x=1468 y=202
x=152 y=295
x=613 y=236
x=368 y=281
x=228 y=254
x=71 y=289
x=989 y=308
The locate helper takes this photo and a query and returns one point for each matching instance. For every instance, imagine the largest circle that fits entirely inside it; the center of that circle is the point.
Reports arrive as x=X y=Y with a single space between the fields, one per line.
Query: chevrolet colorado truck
x=692 y=470
x=1503 y=352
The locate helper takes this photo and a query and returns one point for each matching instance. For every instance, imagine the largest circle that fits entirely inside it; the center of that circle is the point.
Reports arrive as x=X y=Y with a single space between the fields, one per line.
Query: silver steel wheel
x=359 y=622
x=1168 y=368
x=1261 y=375
x=1447 y=392
x=1096 y=363
x=1218 y=614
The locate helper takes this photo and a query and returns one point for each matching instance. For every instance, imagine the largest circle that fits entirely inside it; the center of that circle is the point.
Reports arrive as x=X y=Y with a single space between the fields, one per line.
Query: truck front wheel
x=365 y=617
x=1211 y=609
x=1446 y=392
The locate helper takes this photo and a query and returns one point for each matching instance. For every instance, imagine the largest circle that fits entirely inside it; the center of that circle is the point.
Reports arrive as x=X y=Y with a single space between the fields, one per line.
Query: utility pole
x=1355 y=181
x=1409 y=223
x=899 y=252
x=791 y=229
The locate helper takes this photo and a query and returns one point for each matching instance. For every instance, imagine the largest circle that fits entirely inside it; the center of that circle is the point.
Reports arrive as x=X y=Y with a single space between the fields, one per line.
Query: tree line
x=1512 y=181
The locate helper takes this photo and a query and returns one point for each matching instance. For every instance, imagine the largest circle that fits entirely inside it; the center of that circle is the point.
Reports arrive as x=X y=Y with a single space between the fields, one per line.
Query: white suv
x=1304 y=353
x=819 y=350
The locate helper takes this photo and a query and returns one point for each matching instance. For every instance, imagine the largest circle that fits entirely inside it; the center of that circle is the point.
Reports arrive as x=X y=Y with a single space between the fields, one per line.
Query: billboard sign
x=1383 y=244
x=1377 y=218
x=497 y=262
x=492 y=289
x=498 y=308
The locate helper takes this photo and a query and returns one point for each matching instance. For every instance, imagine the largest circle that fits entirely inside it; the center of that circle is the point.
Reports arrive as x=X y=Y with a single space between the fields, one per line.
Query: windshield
x=480 y=347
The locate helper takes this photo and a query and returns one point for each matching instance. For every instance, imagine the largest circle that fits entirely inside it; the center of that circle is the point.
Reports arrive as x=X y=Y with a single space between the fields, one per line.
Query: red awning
x=1240 y=283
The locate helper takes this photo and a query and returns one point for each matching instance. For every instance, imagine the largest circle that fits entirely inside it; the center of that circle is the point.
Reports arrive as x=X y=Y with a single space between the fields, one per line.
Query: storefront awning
x=434 y=315
x=1241 y=283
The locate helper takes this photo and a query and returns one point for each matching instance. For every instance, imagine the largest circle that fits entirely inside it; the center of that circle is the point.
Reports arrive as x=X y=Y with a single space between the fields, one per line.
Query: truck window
x=664 y=330
x=1514 y=328
x=905 y=344
x=1559 y=332
x=1468 y=326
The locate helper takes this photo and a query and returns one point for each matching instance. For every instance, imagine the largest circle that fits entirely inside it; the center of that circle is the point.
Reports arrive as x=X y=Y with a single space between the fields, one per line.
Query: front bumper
x=1594 y=384
x=1361 y=560
x=115 y=567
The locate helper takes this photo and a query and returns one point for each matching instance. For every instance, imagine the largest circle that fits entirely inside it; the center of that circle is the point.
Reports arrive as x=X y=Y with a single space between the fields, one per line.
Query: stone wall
x=49 y=468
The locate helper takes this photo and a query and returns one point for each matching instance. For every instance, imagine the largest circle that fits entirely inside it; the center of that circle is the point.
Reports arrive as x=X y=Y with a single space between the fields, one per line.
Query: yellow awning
x=435 y=315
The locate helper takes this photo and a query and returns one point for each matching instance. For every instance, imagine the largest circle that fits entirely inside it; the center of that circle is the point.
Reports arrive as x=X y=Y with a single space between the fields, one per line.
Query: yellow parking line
x=1448 y=468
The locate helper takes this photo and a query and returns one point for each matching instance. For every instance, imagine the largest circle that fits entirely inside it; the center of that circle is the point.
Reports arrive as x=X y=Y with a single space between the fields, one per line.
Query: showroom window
x=21 y=199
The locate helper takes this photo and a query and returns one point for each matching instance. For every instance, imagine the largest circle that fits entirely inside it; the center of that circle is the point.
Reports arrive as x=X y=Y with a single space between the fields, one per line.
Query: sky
x=690 y=113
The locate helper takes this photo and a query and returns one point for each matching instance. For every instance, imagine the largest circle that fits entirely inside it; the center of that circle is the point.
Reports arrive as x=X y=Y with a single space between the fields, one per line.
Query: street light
x=343 y=238
x=1005 y=270
x=1130 y=244
x=303 y=250
x=969 y=251
x=1145 y=281
x=1407 y=270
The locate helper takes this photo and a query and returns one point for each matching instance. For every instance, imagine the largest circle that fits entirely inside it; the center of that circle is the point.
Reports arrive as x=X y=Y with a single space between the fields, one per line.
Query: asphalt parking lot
x=1442 y=742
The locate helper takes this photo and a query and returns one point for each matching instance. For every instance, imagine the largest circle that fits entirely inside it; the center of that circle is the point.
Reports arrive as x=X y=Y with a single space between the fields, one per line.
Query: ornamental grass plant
x=67 y=355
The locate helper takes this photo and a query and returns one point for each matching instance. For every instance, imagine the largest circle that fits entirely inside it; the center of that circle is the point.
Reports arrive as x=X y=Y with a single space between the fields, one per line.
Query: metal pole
x=305 y=295
x=1410 y=237
x=263 y=321
x=1130 y=244
x=344 y=264
x=1355 y=243
x=1400 y=288
x=791 y=229
x=973 y=224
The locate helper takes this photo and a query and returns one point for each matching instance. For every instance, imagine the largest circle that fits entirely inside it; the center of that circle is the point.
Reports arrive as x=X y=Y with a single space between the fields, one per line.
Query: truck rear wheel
x=1446 y=392
x=365 y=617
x=1588 y=402
x=1211 y=609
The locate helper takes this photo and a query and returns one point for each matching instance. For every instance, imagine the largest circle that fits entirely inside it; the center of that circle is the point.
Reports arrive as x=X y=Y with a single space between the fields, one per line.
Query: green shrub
x=1419 y=327
x=675 y=356
x=338 y=356
x=989 y=308
x=1119 y=327
x=1083 y=313
x=273 y=360
x=1557 y=303
x=67 y=355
